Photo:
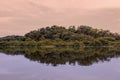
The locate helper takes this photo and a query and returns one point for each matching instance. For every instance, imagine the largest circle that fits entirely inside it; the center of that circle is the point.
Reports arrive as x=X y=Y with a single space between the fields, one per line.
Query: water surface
x=96 y=66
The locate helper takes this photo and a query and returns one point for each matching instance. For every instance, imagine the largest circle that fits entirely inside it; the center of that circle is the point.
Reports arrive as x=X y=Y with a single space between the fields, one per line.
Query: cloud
x=21 y=16
x=106 y=18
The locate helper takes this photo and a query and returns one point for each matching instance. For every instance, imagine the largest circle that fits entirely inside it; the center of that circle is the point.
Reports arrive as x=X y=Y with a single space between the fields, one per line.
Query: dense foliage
x=12 y=38
x=72 y=33
x=61 y=36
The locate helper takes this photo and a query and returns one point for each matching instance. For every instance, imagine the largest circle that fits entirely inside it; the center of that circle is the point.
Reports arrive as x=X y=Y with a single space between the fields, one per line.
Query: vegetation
x=59 y=45
x=58 y=36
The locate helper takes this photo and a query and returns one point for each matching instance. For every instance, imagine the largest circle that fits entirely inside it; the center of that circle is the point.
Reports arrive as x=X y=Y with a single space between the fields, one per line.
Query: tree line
x=81 y=35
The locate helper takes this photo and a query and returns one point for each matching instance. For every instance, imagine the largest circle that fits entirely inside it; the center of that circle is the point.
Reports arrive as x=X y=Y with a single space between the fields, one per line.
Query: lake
x=59 y=64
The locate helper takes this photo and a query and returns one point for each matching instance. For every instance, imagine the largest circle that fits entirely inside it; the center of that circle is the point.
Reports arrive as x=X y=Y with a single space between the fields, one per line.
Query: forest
x=60 y=36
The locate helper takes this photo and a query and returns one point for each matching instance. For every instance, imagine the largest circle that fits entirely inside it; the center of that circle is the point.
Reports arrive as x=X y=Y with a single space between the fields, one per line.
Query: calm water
x=22 y=67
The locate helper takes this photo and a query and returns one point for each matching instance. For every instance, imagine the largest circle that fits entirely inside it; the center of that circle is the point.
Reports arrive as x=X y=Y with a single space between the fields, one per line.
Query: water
x=16 y=66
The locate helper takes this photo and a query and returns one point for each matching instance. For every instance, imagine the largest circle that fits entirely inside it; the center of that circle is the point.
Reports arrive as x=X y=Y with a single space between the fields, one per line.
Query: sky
x=18 y=17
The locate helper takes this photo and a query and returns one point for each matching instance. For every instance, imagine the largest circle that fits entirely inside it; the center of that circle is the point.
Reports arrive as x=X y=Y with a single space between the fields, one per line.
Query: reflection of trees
x=57 y=56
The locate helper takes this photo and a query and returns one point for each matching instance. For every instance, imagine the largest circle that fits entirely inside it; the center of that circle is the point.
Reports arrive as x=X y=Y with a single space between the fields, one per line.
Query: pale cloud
x=21 y=16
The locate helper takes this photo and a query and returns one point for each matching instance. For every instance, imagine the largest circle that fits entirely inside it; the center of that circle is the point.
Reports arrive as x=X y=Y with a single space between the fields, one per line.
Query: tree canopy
x=72 y=33
x=59 y=35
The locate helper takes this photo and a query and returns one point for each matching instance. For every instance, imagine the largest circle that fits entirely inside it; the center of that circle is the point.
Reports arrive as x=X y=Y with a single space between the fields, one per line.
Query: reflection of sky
x=20 y=68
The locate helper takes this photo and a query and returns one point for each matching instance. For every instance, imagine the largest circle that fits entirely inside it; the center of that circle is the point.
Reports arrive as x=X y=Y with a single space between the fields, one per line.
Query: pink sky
x=21 y=16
